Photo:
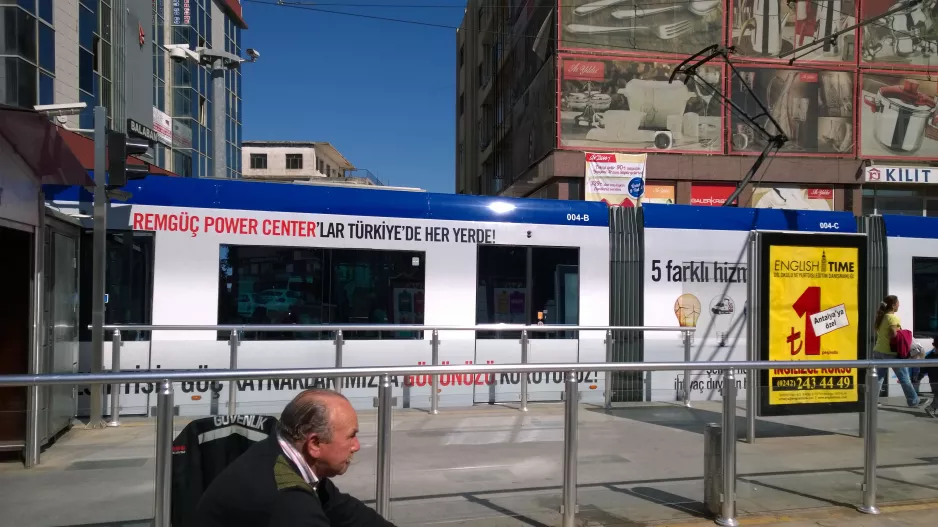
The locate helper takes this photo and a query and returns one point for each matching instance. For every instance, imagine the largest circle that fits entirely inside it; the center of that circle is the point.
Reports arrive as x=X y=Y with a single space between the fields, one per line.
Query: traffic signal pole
x=96 y=419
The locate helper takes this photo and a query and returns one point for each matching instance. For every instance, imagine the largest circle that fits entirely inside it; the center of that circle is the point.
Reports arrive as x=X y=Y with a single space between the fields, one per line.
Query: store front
x=901 y=190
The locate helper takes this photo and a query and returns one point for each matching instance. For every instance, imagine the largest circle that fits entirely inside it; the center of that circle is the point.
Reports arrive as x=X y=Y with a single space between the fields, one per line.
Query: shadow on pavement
x=696 y=420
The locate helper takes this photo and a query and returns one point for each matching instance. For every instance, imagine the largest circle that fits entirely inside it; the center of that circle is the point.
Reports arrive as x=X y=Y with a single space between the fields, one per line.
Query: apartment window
x=328 y=170
x=294 y=161
x=462 y=56
x=259 y=161
x=293 y=285
x=462 y=103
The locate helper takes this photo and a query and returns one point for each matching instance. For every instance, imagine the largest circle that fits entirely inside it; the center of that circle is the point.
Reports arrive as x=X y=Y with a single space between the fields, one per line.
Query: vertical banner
x=616 y=179
x=813 y=290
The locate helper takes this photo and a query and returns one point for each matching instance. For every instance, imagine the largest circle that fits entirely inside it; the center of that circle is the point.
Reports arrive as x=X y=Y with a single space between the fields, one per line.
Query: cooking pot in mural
x=901 y=115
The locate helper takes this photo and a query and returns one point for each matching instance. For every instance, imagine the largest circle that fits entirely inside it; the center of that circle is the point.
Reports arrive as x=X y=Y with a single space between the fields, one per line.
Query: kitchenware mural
x=641 y=26
x=792 y=198
x=629 y=105
x=907 y=37
x=813 y=107
x=766 y=28
x=897 y=116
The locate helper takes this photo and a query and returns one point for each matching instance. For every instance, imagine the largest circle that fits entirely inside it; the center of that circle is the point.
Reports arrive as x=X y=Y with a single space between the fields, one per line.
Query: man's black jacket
x=263 y=488
x=203 y=449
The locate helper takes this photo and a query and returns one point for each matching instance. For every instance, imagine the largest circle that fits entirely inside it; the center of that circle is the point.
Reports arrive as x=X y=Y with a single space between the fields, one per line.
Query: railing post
x=233 y=385
x=383 y=473
x=571 y=407
x=869 y=444
x=608 y=394
x=164 y=445
x=115 y=388
x=435 y=380
x=728 y=510
x=524 y=376
x=687 y=373
x=339 y=344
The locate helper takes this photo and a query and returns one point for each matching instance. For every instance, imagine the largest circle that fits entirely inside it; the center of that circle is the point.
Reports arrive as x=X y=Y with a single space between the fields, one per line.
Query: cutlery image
x=586 y=29
x=639 y=12
x=592 y=7
x=664 y=31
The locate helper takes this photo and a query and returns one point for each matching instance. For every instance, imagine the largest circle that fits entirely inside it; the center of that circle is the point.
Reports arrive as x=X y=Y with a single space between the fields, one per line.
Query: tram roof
x=352 y=201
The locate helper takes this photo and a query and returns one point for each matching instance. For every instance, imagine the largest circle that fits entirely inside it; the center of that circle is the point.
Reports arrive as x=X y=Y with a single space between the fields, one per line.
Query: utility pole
x=98 y=265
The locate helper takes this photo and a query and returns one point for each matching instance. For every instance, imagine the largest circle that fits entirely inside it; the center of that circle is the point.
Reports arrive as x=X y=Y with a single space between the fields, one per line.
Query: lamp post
x=218 y=62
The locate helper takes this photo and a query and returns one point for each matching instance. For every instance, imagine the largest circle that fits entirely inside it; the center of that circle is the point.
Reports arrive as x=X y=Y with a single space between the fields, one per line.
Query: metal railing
x=727 y=516
x=235 y=330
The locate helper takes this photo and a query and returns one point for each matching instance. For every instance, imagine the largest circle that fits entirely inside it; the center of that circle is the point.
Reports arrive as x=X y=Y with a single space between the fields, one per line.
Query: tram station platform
x=639 y=464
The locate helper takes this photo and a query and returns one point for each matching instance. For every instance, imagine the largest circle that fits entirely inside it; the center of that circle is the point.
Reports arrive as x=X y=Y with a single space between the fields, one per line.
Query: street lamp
x=218 y=61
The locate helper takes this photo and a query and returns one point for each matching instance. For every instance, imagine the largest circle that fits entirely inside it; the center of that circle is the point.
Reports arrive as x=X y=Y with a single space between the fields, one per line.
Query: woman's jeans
x=902 y=374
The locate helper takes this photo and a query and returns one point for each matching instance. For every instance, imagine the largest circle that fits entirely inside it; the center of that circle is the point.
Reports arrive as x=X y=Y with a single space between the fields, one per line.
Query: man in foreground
x=284 y=480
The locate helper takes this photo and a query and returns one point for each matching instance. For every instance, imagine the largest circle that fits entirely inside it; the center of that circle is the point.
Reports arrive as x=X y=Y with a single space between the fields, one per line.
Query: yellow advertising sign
x=813 y=315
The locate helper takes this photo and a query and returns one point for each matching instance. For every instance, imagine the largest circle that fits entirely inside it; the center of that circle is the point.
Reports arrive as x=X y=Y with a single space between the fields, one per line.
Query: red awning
x=38 y=142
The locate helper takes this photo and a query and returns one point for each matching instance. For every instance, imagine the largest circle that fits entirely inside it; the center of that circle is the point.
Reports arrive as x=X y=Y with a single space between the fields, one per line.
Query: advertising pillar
x=813 y=290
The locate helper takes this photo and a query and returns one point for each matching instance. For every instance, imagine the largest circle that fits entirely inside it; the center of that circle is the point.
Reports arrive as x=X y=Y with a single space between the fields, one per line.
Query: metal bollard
x=869 y=444
x=728 y=511
x=383 y=472
x=115 y=388
x=687 y=373
x=233 y=385
x=608 y=394
x=524 y=376
x=571 y=407
x=339 y=344
x=164 y=455
x=435 y=380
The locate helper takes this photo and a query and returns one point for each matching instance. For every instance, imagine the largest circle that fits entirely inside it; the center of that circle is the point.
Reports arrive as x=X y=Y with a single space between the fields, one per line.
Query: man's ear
x=312 y=446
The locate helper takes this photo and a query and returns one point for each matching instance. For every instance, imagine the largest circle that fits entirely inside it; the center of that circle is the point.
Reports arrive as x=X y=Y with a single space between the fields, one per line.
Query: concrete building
x=540 y=83
x=312 y=161
x=112 y=53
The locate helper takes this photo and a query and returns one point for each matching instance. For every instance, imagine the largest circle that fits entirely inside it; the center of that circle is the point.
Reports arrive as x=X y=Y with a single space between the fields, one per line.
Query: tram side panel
x=187 y=285
x=912 y=256
x=696 y=275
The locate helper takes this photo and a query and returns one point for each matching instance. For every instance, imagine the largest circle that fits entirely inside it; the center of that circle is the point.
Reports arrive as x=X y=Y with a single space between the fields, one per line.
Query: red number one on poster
x=809 y=303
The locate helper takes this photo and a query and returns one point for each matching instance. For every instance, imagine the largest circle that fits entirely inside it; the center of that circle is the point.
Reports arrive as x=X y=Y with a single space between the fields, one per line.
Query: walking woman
x=886 y=325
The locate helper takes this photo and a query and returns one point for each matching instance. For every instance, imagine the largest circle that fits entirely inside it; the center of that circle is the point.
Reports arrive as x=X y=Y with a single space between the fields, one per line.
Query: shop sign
x=882 y=174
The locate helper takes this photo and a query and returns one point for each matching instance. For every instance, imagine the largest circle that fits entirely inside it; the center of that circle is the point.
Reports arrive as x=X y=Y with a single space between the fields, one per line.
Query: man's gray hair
x=307 y=414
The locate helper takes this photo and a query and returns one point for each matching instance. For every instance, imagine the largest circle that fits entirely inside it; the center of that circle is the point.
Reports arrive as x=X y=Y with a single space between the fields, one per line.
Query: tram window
x=925 y=297
x=509 y=275
x=128 y=282
x=290 y=285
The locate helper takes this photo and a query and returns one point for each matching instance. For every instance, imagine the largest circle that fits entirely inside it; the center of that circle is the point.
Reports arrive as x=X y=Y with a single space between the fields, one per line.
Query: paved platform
x=494 y=466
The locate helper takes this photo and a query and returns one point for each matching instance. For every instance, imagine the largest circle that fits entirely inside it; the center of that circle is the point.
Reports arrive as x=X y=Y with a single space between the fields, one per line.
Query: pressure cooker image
x=902 y=113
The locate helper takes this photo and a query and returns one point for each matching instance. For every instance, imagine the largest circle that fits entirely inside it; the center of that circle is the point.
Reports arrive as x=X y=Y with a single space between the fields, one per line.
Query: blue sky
x=382 y=93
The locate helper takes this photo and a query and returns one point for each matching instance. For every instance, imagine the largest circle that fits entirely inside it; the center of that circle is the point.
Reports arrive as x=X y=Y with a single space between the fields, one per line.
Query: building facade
x=312 y=161
x=541 y=82
x=111 y=52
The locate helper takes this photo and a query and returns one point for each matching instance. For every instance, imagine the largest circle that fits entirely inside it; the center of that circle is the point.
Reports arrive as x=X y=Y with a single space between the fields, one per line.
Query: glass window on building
x=901 y=202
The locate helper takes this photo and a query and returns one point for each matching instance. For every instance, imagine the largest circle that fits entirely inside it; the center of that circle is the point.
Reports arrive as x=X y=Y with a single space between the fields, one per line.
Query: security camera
x=63 y=109
x=178 y=55
x=254 y=54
